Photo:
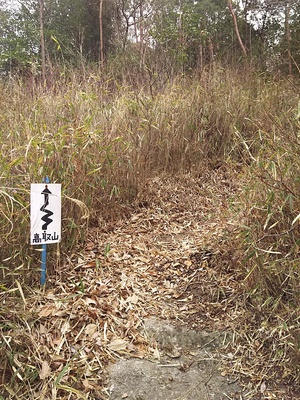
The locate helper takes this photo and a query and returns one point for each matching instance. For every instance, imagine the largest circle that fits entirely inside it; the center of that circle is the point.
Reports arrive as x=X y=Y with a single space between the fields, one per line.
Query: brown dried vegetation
x=186 y=213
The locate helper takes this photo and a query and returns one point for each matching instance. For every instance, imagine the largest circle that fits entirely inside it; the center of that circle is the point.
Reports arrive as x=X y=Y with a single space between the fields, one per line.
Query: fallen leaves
x=45 y=370
x=94 y=309
x=118 y=345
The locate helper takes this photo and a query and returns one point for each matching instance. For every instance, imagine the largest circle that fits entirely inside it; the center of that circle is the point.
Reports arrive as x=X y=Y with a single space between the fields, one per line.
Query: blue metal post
x=44 y=259
x=44 y=250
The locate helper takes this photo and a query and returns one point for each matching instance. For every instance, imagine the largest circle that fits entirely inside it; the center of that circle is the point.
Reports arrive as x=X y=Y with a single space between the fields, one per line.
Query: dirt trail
x=169 y=251
x=186 y=368
x=153 y=307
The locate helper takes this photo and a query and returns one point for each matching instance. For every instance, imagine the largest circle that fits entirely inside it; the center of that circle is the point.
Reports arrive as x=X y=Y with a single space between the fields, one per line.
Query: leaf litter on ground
x=173 y=257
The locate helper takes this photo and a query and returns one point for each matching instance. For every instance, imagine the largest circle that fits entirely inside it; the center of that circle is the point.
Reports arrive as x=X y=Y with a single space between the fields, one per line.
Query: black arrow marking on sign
x=48 y=213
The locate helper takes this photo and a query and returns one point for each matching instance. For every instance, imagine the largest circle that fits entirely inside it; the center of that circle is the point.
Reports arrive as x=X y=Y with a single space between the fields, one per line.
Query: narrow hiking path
x=173 y=250
x=168 y=259
x=186 y=367
x=165 y=255
x=172 y=259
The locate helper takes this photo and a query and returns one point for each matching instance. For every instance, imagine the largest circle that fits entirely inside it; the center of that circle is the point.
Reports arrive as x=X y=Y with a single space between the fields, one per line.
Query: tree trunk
x=288 y=34
x=42 y=39
x=200 y=57
x=229 y=2
x=101 y=50
x=211 y=51
x=141 y=26
x=248 y=33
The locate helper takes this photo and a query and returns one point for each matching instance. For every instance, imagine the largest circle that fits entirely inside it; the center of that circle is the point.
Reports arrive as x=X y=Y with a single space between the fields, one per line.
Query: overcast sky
x=10 y=3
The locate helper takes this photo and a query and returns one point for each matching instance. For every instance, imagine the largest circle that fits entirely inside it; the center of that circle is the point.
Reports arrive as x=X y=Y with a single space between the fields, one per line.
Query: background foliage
x=169 y=35
x=175 y=94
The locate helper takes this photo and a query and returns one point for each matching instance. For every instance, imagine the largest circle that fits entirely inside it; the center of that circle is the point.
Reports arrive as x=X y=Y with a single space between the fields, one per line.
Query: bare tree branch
x=229 y=2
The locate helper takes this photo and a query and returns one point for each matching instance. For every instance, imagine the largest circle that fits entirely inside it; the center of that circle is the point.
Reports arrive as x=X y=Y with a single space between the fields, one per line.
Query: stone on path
x=188 y=368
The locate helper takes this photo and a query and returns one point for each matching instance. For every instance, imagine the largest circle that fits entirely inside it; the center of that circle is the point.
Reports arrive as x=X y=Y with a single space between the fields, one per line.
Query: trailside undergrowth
x=102 y=138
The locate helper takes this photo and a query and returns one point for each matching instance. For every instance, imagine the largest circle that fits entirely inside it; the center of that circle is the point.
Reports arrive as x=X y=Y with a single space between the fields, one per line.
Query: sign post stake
x=44 y=264
x=45 y=218
x=44 y=250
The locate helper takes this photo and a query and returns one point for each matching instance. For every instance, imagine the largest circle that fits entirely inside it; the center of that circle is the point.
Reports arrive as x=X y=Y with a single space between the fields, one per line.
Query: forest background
x=101 y=95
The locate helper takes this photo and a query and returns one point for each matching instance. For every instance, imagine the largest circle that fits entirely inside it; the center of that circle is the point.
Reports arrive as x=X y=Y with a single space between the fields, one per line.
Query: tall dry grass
x=270 y=239
x=102 y=136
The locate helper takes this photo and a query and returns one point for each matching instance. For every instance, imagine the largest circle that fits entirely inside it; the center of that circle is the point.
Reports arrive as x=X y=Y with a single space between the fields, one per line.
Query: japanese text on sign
x=45 y=213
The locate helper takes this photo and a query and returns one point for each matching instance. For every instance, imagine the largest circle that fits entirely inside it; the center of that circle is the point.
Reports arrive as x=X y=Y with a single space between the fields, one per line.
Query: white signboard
x=45 y=213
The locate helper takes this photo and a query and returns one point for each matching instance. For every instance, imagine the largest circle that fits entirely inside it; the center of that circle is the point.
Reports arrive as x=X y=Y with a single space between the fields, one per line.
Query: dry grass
x=102 y=139
x=59 y=342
